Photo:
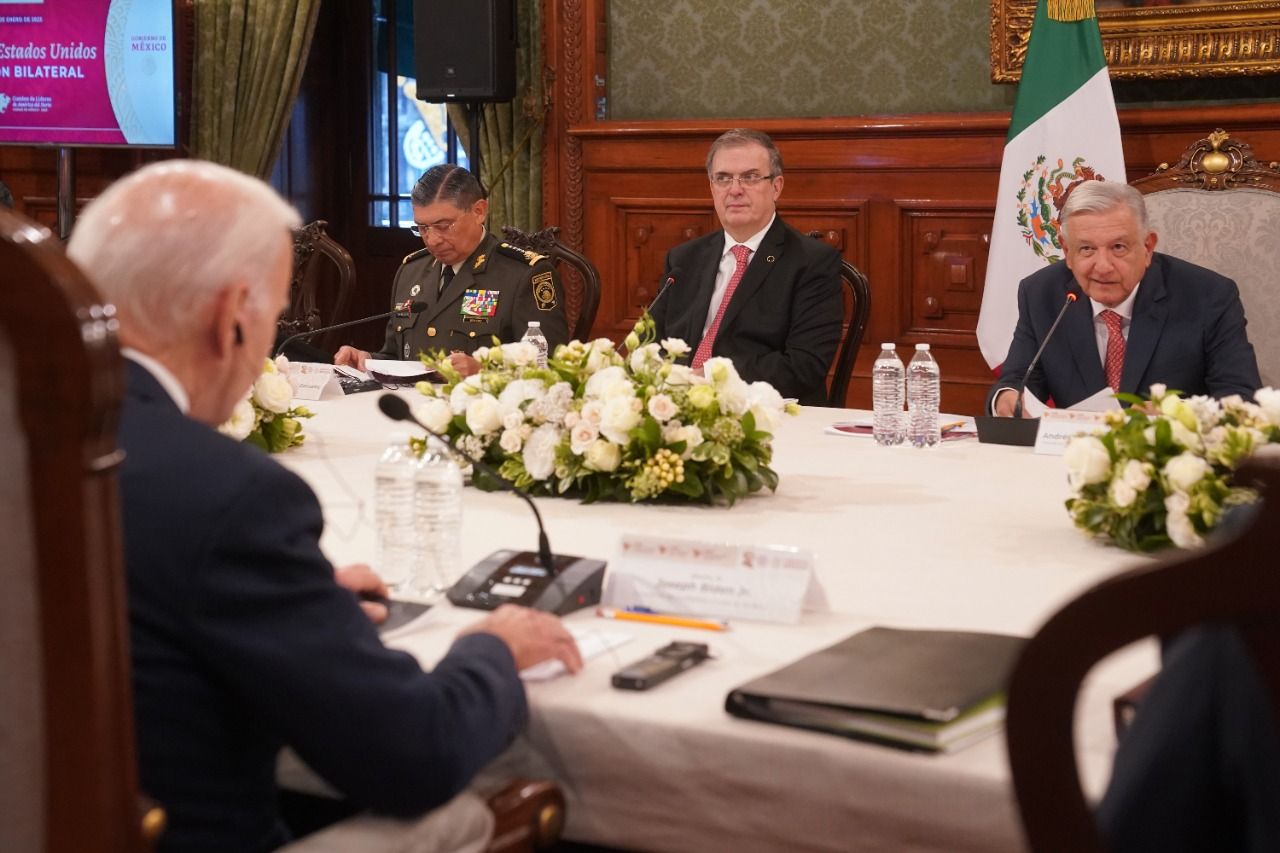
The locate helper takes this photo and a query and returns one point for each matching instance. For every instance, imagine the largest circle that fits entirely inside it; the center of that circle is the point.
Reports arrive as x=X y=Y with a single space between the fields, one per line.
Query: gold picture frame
x=1194 y=38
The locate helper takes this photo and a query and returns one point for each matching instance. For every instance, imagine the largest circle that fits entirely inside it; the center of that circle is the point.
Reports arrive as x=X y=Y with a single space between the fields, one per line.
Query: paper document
x=592 y=642
x=1103 y=401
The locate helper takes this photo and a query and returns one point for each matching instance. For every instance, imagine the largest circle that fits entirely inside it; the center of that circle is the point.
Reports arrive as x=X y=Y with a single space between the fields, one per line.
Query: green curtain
x=249 y=57
x=511 y=134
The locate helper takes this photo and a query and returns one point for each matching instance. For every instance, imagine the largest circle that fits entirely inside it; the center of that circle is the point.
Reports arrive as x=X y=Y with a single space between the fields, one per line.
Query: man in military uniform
x=473 y=285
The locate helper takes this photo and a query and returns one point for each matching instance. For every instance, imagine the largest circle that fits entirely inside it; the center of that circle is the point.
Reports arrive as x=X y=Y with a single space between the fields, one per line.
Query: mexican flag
x=1064 y=130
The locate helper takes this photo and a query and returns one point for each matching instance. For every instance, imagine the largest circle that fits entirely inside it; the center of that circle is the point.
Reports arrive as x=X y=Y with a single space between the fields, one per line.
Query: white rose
x=1185 y=470
x=519 y=391
x=582 y=435
x=520 y=353
x=620 y=416
x=663 y=408
x=682 y=374
x=675 y=346
x=1137 y=475
x=512 y=419
x=435 y=414
x=1178 y=525
x=1087 y=461
x=734 y=396
x=671 y=431
x=593 y=412
x=603 y=455
x=461 y=396
x=719 y=370
x=273 y=392
x=241 y=422
x=511 y=440
x=692 y=437
x=1157 y=390
x=571 y=419
x=540 y=452
x=1268 y=399
x=646 y=358
x=766 y=404
x=1122 y=494
x=484 y=414
x=608 y=382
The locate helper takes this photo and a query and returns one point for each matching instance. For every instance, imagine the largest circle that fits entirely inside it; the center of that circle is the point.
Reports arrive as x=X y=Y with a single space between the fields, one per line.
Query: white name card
x=1058 y=426
x=768 y=583
x=313 y=381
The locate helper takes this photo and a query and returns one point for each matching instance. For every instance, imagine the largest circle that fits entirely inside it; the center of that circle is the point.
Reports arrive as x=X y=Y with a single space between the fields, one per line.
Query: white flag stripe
x=1084 y=125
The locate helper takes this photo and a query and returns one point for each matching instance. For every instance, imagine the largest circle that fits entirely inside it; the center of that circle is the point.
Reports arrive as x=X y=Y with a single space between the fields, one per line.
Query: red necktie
x=1114 y=365
x=740 y=254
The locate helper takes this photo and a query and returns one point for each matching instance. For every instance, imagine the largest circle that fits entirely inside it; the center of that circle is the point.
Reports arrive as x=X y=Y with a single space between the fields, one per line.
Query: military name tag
x=479 y=305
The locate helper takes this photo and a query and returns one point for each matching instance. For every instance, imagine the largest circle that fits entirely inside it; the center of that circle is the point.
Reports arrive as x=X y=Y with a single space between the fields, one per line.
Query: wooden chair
x=856 y=294
x=68 y=778
x=582 y=289
x=1219 y=207
x=319 y=294
x=1230 y=580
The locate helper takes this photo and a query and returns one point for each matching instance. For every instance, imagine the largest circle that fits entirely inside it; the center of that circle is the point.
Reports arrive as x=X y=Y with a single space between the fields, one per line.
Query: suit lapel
x=769 y=252
x=704 y=273
x=1150 y=310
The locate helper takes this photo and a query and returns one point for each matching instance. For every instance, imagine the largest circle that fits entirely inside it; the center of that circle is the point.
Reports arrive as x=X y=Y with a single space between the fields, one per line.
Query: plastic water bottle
x=887 y=396
x=437 y=515
x=393 y=511
x=923 y=391
x=534 y=336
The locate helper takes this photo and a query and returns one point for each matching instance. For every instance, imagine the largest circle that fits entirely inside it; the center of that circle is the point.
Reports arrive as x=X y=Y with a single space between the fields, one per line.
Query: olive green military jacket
x=496 y=291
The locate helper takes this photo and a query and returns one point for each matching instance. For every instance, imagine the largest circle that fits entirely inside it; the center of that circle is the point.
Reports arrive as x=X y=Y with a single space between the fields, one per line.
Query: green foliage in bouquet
x=1162 y=471
x=266 y=417
x=607 y=427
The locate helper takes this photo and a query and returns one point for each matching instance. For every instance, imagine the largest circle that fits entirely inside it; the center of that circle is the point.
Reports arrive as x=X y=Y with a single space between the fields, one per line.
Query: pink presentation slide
x=86 y=72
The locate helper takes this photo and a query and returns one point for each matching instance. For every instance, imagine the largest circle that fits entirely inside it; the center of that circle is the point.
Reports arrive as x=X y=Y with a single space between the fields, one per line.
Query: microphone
x=662 y=288
x=397 y=409
x=411 y=307
x=1035 y=360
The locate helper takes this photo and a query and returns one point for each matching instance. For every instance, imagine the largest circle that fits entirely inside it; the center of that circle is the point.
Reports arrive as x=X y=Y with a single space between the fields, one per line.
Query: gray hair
x=162 y=242
x=1102 y=196
x=746 y=136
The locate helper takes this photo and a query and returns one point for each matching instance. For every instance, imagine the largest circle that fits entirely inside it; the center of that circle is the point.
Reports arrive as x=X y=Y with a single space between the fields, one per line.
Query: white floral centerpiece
x=603 y=426
x=1162 y=472
x=266 y=417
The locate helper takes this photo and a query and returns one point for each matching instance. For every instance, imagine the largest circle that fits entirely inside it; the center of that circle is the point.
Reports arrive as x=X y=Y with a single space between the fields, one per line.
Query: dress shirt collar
x=163 y=375
x=752 y=242
x=1124 y=309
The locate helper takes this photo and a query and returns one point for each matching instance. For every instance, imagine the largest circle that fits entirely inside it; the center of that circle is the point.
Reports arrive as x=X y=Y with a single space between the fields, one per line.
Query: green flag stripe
x=1061 y=58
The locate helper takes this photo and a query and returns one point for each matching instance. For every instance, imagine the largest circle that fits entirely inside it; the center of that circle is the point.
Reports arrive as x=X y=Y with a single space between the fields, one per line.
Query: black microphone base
x=518 y=577
x=1019 y=432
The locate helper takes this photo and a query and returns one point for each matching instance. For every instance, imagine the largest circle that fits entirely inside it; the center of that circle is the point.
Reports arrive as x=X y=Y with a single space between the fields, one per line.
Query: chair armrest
x=529 y=815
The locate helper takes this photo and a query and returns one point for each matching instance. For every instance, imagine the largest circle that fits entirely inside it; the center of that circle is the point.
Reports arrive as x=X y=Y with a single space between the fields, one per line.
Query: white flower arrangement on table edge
x=1162 y=471
x=266 y=417
x=603 y=426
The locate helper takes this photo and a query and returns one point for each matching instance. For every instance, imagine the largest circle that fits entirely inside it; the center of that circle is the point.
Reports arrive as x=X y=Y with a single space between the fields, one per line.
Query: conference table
x=964 y=536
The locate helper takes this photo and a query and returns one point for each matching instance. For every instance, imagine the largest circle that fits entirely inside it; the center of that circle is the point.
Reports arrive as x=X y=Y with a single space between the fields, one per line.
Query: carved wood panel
x=944 y=266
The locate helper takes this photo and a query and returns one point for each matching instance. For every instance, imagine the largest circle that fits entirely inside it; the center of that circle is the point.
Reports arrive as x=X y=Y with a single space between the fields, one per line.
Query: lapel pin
x=770 y=259
x=415 y=290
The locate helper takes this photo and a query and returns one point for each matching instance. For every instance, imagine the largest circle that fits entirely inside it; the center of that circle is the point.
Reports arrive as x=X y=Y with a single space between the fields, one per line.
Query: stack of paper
x=926 y=690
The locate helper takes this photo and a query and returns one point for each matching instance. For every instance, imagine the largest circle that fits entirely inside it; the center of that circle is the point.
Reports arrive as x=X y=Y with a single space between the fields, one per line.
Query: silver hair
x=1103 y=196
x=162 y=242
x=746 y=136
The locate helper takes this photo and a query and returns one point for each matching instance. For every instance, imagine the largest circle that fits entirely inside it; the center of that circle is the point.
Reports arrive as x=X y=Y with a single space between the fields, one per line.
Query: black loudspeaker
x=464 y=50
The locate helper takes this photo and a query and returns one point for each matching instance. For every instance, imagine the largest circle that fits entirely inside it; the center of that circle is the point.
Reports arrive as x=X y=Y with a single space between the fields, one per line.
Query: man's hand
x=361 y=580
x=464 y=364
x=351 y=357
x=1006 y=399
x=532 y=636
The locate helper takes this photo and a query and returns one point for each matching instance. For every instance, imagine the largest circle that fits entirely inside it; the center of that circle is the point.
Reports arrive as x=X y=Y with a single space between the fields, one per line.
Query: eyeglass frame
x=424 y=230
x=748 y=181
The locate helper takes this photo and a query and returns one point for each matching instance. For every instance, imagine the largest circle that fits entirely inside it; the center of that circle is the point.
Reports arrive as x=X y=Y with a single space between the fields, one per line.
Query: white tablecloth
x=963 y=536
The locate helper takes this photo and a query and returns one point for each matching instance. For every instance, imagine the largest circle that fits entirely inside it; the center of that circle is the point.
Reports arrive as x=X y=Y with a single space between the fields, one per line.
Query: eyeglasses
x=722 y=180
x=441 y=228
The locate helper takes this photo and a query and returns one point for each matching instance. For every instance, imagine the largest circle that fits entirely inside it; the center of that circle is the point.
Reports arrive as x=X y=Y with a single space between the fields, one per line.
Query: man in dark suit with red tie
x=757 y=292
x=1148 y=317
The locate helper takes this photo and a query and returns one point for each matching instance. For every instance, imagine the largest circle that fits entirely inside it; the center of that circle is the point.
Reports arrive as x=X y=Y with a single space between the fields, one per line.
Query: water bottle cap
x=887 y=346
x=535 y=324
x=922 y=347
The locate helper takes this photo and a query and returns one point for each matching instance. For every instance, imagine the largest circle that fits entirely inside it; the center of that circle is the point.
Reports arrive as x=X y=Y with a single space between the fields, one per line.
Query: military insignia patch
x=479 y=262
x=544 y=291
x=479 y=305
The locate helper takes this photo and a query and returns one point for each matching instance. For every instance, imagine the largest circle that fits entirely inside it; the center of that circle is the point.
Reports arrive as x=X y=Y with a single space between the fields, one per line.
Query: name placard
x=1058 y=426
x=313 y=381
x=769 y=583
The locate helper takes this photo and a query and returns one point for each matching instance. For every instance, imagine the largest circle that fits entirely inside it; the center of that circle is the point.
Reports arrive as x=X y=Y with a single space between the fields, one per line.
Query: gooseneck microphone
x=1035 y=360
x=667 y=282
x=397 y=409
x=411 y=307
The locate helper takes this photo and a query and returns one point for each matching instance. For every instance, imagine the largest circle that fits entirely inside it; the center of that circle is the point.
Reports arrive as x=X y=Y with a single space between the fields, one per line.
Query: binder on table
x=925 y=690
